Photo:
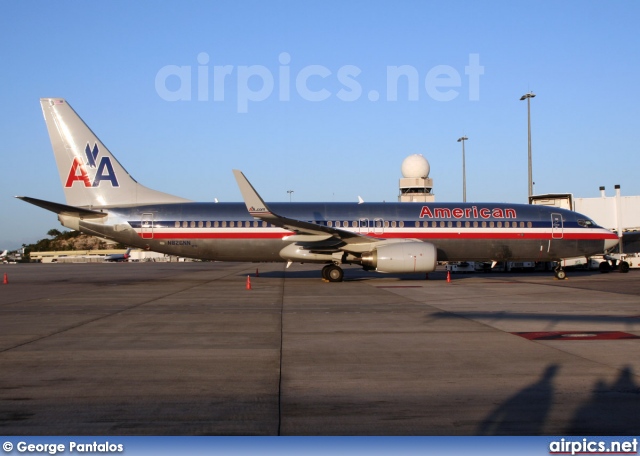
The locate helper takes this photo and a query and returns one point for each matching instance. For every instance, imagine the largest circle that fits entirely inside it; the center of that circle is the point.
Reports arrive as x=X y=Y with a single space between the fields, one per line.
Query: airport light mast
x=290 y=192
x=528 y=97
x=464 y=173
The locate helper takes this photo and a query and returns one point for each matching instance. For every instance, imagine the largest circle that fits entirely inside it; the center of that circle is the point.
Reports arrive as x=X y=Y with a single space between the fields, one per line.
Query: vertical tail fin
x=89 y=173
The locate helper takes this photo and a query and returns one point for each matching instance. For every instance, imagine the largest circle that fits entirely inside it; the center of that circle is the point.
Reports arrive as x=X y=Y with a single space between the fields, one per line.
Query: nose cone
x=610 y=243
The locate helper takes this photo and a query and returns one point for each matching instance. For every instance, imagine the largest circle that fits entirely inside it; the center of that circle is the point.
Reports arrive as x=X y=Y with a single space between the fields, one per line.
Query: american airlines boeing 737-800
x=102 y=199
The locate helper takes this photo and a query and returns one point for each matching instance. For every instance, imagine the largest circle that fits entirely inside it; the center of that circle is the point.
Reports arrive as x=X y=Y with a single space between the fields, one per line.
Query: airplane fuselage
x=473 y=232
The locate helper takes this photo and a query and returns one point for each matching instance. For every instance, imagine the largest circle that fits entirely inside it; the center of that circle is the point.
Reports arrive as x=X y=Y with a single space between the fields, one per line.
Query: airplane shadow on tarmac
x=612 y=409
x=351 y=275
x=355 y=273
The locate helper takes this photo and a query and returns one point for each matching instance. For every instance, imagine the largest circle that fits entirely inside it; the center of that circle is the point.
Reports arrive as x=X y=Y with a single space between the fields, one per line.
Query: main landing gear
x=332 y=273
x=607 y=266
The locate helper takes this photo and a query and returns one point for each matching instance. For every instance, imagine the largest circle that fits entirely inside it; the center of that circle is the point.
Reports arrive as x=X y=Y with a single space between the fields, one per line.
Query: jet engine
x=402 y=257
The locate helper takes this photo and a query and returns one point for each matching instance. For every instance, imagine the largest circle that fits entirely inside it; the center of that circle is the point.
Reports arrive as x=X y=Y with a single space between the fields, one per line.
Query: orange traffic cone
x=448 y=276
x=5 y=280
x=248 y=283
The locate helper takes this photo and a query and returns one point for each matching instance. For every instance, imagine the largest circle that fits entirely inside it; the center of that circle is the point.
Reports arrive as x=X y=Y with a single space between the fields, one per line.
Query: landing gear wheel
x=604 y=267
x=624 y=267
x=561 y=274
x=325 y=271
x=333 y=273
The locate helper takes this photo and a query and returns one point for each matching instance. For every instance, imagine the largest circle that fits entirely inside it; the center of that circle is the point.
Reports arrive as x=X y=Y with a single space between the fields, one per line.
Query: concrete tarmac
x=185 y=349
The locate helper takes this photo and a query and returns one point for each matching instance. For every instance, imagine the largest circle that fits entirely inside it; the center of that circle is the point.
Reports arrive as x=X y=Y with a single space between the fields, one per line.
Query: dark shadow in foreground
x=526 y=412
x=612 y=410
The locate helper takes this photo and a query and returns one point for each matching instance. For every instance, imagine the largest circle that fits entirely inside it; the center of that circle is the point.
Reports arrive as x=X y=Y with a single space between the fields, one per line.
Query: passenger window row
x=223 y=224
x=358 y=224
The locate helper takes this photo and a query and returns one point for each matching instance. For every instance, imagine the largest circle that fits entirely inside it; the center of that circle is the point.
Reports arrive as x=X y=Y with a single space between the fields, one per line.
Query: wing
x=323 y=237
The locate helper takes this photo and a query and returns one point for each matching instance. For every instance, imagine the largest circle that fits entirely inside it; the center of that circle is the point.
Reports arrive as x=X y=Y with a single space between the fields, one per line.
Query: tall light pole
x=289 y=192
x=464 y=172
x=528 y=97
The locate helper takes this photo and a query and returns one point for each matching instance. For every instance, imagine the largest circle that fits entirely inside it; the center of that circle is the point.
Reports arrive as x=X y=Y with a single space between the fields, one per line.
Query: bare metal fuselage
x=226 y=232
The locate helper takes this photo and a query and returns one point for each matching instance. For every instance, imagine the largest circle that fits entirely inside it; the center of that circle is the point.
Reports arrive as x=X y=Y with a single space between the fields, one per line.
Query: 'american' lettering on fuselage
x=467 y=212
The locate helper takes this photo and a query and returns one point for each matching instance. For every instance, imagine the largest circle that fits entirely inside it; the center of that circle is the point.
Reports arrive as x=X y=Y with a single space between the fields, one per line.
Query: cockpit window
x=586 y=223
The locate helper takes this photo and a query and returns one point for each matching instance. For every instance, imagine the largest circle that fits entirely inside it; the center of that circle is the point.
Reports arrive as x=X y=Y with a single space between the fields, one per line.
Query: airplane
x=3 y=255
x=103 y=200
x=118 y=257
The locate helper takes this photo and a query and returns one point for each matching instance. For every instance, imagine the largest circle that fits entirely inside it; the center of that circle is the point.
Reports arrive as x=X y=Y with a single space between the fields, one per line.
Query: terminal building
x=95 y=256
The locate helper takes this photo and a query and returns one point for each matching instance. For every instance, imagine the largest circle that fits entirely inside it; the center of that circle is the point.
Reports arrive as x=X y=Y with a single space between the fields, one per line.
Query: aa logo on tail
x=102 y=171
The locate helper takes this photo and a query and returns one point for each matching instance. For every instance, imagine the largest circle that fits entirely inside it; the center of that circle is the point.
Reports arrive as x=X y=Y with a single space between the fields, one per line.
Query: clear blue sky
x=115 y=62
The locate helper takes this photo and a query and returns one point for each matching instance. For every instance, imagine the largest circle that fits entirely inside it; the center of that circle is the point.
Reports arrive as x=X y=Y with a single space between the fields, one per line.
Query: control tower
x=415 y=185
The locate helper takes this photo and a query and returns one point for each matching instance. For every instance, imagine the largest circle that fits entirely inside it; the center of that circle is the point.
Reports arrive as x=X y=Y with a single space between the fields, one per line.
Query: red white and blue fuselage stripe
x=476 y=230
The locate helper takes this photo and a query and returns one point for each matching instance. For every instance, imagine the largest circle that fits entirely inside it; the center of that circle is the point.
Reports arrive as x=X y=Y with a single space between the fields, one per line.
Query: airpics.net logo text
x=313 y=83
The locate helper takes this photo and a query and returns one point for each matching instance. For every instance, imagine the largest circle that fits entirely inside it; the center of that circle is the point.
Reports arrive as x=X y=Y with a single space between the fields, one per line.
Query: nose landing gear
x=560 y=273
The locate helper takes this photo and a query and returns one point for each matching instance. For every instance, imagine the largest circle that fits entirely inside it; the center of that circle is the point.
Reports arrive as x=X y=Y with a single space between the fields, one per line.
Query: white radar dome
x=415 y=166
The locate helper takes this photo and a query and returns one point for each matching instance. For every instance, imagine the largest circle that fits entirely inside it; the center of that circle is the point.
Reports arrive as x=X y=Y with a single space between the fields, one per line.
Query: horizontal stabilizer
x=63 y=209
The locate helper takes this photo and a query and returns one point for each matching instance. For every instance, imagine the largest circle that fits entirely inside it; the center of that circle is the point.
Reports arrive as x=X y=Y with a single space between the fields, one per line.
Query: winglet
x=304 y=231
x=255 y=205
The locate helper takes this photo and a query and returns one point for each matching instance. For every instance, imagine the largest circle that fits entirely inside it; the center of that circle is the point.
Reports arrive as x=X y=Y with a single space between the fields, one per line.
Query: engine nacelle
x=402 y=257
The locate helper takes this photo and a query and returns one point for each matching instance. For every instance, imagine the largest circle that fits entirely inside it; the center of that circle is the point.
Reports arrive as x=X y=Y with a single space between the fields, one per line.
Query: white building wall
x=617 y=213
x=604 y=211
